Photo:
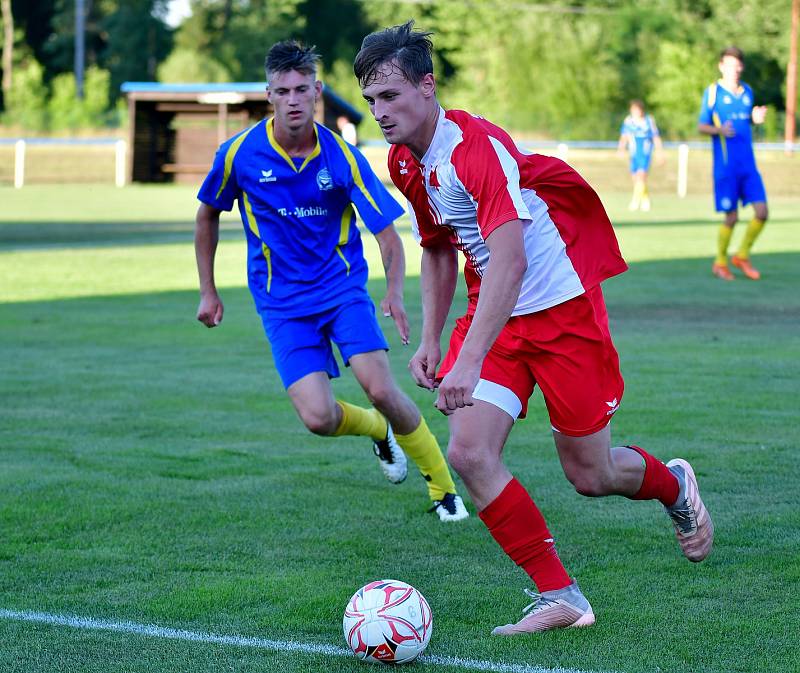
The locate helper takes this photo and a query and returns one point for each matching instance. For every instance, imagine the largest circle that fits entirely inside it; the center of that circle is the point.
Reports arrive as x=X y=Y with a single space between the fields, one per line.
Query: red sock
x=658 y=483
x=518 y=526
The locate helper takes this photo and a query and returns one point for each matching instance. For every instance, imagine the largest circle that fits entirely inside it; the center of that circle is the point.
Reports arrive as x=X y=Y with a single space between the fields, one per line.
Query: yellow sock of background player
x=750 y=236
x=723 y=241
x=421 y=446
x=637 y=196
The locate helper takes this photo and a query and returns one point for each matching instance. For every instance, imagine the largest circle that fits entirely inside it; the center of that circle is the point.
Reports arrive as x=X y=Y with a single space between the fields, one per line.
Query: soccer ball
x=387 y=621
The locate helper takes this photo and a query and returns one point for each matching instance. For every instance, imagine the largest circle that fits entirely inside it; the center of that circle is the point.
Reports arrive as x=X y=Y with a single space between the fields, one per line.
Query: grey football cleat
x=693 y=526
x=450 y=508
x=392 y=459
x=558 y=609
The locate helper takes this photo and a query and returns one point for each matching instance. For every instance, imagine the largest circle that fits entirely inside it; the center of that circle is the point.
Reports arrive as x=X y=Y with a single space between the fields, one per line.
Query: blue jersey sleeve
x=706 y=110
x=375 y=205
x=653 y=127
x=220 y=188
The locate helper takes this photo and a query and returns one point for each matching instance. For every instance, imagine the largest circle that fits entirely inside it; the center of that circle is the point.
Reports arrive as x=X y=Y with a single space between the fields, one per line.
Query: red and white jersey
x=474 y=179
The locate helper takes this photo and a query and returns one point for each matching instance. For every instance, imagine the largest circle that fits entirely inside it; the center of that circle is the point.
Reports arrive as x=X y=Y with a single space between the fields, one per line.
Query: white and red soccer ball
x=387 y=621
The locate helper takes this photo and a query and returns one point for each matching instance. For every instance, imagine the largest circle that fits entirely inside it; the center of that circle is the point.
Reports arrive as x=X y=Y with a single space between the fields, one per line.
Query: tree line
x=559 y=68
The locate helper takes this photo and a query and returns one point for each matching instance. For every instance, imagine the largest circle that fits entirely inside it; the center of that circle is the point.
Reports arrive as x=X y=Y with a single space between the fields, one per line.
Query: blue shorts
x=640 y=162
x=747 y=187
x=303 y=345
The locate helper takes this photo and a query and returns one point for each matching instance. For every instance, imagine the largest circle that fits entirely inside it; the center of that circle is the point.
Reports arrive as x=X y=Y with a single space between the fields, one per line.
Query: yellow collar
x=277 y=147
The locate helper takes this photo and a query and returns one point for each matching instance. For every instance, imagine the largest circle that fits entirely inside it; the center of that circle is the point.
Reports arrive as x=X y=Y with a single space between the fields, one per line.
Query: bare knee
x=468 y=460
x=319 y=421
x=761 y=211
x=381 y=393
x=731 y=218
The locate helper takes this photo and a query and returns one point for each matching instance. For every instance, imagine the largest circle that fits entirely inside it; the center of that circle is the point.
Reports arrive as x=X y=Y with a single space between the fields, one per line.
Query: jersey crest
x=324 y=180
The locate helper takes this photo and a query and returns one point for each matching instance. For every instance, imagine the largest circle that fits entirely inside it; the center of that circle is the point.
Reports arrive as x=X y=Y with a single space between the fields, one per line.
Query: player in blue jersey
x=297 y=183
x=640 y=134
x=726 y=115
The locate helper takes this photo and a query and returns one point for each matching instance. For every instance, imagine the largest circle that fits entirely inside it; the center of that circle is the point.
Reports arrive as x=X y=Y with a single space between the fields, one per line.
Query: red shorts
x=567 y=350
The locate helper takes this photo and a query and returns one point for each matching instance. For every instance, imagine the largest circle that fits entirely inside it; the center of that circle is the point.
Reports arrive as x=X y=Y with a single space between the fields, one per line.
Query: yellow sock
x=421 y=446
x=637 y=192
x=750 y=236
x=360 y=421
x=644 y=190
x=723 y=240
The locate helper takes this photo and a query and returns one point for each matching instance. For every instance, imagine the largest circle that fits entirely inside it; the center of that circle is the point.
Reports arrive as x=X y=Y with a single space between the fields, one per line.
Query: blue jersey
x=640 y=134
x=731 y=155
x=304 y=248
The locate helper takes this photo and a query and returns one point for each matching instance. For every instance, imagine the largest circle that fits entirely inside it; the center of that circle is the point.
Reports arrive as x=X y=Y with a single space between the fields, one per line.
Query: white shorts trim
x=500 y=396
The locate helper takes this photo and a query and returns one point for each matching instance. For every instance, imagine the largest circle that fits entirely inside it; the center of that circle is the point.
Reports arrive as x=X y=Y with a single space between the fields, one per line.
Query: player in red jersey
x=537 y=243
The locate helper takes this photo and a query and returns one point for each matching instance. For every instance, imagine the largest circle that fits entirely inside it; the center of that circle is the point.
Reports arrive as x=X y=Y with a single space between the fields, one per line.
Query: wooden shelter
x=175 y=129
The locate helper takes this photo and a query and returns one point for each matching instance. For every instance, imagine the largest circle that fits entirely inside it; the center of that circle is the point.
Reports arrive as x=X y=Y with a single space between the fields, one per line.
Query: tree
x=682 y=74
x=26 y=104
x=135 y=40
x=185 y=65
x=237 y=33
x=8 y=46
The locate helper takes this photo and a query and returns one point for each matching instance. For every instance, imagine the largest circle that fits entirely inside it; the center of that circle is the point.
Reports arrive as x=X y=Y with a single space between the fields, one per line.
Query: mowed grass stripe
x=154 y=631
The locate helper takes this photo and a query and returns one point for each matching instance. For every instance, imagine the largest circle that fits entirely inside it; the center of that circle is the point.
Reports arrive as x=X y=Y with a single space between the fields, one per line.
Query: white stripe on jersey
x=414 y=224
x=511 y=170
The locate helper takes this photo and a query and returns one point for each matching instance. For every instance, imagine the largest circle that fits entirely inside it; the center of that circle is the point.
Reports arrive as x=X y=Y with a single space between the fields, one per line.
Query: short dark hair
x=291 y=55
x=409 y=49
x=637 y=102
x=732 y=51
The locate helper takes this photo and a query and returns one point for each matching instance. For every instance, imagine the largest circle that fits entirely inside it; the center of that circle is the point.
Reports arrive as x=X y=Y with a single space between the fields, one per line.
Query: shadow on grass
x=37 y=236
x=683 y=292
x=675 y=293
x=27 y=236
x=630 y=220
x=20 y=235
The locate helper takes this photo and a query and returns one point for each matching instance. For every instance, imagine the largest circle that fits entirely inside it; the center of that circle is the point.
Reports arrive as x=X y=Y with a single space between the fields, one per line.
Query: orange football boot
x=721 y=271
x=743 y=264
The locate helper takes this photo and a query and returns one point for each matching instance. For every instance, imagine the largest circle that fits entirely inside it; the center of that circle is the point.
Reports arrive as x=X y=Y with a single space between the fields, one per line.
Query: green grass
x=152 y=470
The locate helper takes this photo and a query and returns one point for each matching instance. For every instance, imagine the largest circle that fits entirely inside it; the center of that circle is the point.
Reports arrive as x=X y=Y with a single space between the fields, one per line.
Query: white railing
x=21 y=146
x=562 y=149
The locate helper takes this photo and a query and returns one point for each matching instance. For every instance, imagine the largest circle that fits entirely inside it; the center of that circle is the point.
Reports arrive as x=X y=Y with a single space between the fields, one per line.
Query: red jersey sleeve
x=490 y=175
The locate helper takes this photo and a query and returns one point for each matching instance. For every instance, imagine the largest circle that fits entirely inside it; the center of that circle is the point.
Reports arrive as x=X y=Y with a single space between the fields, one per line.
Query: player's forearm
x=438 y=280
x=500 y=287
x=708 y=129
x=206 y=237
x=394 y=260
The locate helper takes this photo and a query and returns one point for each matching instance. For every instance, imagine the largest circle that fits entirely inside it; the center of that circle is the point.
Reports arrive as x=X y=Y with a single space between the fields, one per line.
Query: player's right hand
x=210 y=310
x=727 y=129
x=423 y=365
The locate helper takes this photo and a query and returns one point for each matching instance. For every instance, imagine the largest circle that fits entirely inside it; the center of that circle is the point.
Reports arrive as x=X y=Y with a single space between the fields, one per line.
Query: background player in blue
x=640 y=134
x=296 y=183
x=726 y=115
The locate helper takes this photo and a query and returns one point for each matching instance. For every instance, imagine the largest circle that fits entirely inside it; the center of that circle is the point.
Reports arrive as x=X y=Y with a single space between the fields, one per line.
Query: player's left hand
x=392 y=307
x=759 y=114
x=455 y=390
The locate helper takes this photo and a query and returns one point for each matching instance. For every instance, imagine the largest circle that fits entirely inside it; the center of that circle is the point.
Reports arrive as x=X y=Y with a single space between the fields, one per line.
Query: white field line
x=153 y=631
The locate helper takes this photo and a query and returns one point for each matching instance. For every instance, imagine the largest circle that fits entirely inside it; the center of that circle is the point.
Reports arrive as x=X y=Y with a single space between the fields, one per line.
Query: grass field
x=152 y=471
